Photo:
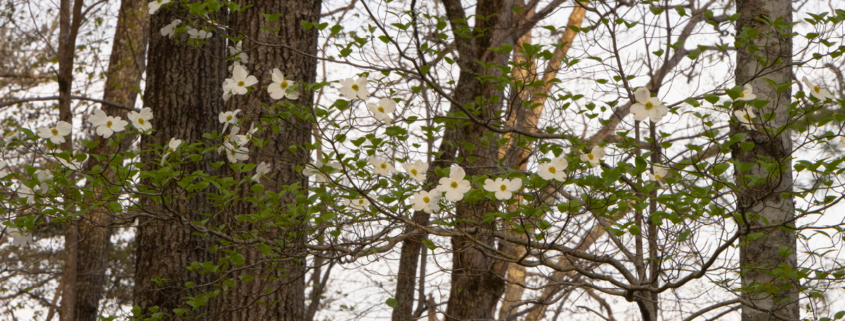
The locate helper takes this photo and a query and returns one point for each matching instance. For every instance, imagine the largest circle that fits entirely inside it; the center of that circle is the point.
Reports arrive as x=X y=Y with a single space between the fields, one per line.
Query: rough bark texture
x=279 y=281
x=126 y=65
x=184 y=90
x=70 y=18
x=477 y=280
x=761 y=205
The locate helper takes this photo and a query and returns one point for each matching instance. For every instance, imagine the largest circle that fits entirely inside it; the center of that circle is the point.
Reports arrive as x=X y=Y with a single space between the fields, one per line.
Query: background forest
x=422 y=160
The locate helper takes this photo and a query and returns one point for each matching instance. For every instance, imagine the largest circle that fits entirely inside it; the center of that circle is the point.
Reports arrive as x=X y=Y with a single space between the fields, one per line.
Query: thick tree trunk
x=477 y=279
x=279 y=281
x=126 y=65
x=184 y=89
x=766 y=296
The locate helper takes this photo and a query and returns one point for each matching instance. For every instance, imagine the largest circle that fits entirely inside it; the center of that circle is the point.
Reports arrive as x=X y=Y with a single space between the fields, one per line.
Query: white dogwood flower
x=594 y=156
x=155 y=5
x=416 y=170
x=107 y=125
x=503 y=187
x=647 y=106
x=228 y=118
x=747 y=93
x=455 y=186
x=817 y=91
x=170 y=30
x=381 y=166
x=553 y=169
x=659 y=174
x=354 y=88
x=198 y=34
x=426 y=201
x=56 y=134
x=361 y=203
x=141 y=120
x=281 y=87
x=744 y=115
x=382 y=111
x=240 y=81
x=261 y=170
x=238 y=53
x=171 y=147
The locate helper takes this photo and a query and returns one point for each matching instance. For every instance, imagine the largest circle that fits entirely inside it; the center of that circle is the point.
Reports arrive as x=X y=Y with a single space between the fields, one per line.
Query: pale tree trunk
x=763 y=204
x=183 y=87
x=528 y=119
x=279 y=281
x=123 y=80
x=70 y=18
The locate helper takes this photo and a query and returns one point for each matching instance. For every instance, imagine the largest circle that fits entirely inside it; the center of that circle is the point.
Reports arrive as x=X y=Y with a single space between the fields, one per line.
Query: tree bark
x=70 y=18
x=184 y=90
x=126 y=65
x=766 y=296
x=280 y=282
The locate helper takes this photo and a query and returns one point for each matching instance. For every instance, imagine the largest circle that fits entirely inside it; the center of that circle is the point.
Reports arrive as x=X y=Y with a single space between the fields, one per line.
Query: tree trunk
x=184 y=89
x=766 y=297
x=126 y=65
x=70 y=18
x=280 y=282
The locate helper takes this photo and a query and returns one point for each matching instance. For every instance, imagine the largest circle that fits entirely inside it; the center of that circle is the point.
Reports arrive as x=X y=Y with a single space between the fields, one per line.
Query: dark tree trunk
x=126 y=65
x=183 y=88
x=762 y=204
x=279 y=281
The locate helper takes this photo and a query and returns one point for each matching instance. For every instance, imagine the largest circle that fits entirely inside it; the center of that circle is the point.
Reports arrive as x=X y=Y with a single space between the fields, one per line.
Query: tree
x=768 y=251
x=183 y=89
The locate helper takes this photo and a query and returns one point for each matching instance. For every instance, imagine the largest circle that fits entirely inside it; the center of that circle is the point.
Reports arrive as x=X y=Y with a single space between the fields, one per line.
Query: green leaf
x=391 y=302
x=634 y=229
x=693 y=54
x=711 y=98
x=272 y=17
x=307 y=25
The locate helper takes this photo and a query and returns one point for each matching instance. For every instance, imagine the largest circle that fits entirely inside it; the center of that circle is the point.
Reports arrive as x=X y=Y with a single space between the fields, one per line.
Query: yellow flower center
x=552 y=169
x=747 y=117
x=816 y=89
x=360 y=201
x=504 y=187
x=414 y=171
x=169 y=150
x=649 y=105
x=454 y=184
x=54 y=131
x=108 y=124
x=657 y=176
x=383 y=166
x=240 y=84
x=742 y=94
x=141 y=121
x=284 y=84
x=159 y=1
x=426 y=199
x=590 y=156
x=228 y=118
x=354 y=87
x=380 y=109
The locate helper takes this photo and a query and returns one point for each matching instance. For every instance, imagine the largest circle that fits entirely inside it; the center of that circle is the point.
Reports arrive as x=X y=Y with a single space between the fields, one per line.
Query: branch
x=8 y=103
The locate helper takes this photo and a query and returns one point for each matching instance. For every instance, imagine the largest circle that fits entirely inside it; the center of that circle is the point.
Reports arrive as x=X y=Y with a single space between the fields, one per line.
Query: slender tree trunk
x=278 y=281
x=183 y=88
x=70 y=18
x=767 y=295
x=126 y=65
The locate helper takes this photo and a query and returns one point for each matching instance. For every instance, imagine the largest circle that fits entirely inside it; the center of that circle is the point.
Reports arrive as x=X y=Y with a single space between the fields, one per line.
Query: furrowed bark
x=766 y=296
x=477 y=282
x=183 y=87
x=126 y=65
x=70 y=18
x=280 y=282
